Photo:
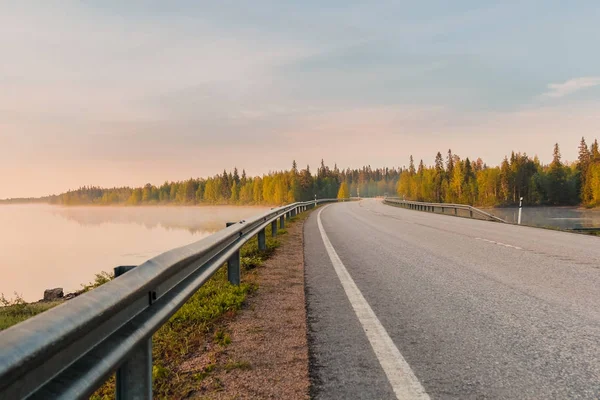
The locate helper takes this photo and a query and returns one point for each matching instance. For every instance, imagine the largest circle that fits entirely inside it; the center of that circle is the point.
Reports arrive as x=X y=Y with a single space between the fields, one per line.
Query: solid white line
x=404 y=382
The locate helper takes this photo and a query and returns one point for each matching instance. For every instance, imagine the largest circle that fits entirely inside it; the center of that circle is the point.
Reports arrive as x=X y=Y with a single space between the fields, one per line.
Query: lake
x=557 y=217
x=43 y=246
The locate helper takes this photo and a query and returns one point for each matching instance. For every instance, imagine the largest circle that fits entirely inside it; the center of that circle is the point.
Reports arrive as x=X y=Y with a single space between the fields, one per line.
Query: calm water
x=44 y=246
x=559 y=217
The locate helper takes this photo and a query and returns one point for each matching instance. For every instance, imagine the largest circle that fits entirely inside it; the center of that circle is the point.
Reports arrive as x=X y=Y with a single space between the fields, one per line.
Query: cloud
x=571 y=86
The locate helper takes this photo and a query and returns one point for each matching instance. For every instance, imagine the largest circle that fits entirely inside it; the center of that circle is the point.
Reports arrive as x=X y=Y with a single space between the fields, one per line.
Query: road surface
x=408 y=304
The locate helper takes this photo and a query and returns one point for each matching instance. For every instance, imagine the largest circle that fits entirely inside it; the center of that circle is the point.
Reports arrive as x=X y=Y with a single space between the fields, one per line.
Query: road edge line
x=399 y=374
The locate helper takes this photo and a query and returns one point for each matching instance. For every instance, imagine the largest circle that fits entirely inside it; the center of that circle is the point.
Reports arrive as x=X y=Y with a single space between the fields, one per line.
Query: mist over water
x=43 y=246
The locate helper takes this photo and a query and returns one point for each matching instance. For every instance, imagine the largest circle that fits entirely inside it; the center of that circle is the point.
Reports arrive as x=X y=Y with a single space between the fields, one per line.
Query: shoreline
x=119 y=205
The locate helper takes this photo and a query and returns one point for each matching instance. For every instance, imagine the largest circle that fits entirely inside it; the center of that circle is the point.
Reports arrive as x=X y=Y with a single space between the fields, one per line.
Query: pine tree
x=506 y=181
x=439 y=178
x=557 y=178
x=236 y=177
x=411 y=166
x=322 y=172
x=595 y=152
x=439 y=162
x=450 y=163
x=582 y=168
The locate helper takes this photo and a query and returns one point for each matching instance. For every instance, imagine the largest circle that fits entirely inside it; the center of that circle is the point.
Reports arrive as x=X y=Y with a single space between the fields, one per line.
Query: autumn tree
x=343 y=193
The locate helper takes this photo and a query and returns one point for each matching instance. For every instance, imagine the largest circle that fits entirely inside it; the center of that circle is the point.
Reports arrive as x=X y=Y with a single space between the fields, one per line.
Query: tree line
x=456 y=180
x=450 y=179
x=233 y=188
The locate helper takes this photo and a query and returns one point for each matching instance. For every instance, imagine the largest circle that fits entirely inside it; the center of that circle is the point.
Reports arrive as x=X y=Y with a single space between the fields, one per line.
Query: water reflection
x=192 y=219
x=45 y=246
x=556 y=217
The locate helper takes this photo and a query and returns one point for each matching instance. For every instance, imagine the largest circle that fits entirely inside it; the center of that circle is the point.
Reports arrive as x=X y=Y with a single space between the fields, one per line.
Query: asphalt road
x=476 y=309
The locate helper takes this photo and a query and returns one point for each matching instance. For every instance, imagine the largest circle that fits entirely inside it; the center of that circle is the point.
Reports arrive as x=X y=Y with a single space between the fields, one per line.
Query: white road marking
x=500 y=244
x=404 y=382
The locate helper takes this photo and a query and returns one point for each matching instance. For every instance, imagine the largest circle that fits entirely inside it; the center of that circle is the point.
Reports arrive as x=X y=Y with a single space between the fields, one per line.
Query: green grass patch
x=13 y=311
x=222 y=338
x=231 y=365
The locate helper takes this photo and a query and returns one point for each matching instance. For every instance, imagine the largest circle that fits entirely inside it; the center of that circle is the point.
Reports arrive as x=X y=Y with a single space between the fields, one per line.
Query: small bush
x=99 y=280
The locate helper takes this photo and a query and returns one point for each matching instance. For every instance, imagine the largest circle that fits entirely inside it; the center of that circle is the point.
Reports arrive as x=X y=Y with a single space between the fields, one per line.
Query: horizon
x=300 y=167
x=110 y=94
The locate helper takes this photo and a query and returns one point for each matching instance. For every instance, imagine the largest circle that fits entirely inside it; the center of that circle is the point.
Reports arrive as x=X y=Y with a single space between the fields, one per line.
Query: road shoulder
x=267 y=356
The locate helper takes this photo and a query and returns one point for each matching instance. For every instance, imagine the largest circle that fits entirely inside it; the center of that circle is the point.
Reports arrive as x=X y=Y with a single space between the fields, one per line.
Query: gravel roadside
x=268 y=354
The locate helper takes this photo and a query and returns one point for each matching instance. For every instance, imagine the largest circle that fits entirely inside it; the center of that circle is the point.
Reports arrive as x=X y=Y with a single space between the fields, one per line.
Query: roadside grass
x=194 y=327
x=13 y=311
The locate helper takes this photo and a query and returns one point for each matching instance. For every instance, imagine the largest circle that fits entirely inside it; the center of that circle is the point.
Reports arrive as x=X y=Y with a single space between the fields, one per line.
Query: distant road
x=407 y=304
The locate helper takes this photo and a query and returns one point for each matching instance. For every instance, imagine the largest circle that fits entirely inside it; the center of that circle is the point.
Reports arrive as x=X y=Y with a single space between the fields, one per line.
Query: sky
x=113 y=93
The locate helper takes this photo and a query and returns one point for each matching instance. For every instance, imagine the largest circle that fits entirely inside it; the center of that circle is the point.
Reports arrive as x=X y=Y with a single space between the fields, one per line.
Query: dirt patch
x=267 y=357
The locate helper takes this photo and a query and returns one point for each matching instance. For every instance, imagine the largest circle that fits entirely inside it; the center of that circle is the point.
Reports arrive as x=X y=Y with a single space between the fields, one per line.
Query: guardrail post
x=442 y=210
x=471 y=213
x=274 y=228
x=134 y=376
x=233 y=266
x=455 y=211
x=282 y=222
x=262 y=239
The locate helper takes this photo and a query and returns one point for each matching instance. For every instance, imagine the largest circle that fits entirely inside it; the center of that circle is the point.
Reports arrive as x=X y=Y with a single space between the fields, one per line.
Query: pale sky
x=113 y=93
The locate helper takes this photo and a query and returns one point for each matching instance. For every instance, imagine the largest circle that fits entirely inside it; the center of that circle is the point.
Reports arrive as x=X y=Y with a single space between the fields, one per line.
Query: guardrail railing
x=468 y=211
x=68 y=351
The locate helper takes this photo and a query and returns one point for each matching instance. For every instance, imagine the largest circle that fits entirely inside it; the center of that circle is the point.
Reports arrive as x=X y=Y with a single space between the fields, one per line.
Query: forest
x=454 y=180
x=450 y=179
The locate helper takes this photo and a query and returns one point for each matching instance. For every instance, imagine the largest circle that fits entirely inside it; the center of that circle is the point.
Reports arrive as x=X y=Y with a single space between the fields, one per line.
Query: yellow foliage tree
x=344 y=192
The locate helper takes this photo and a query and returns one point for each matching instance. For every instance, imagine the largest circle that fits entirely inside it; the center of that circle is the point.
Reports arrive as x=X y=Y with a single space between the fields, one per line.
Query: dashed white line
x=401 y=377
x=499 y=243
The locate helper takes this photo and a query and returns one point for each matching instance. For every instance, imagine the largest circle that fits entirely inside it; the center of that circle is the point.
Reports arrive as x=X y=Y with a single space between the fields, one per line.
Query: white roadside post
x=520 y=209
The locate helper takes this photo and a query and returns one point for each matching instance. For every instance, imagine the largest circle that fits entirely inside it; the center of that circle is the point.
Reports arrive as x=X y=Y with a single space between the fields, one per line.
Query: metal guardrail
x=442 y=207
x=69 y=351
